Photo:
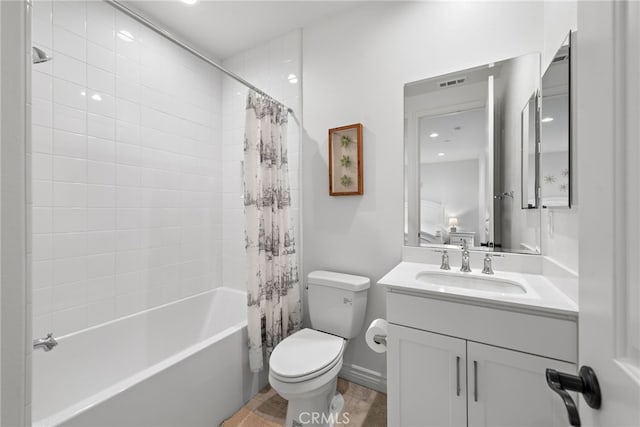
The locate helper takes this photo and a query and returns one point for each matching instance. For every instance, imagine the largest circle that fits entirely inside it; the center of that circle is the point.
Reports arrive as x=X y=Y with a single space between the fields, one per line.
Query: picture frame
x=345 y=161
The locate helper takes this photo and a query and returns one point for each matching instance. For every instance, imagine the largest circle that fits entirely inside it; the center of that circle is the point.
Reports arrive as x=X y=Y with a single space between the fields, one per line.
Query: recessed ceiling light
x=433 y=135
x=293 y=79
x=547 y=120
x=83 y=93
x=96 y=97
x=440 y=154
x=125 y=35
x=189 y=1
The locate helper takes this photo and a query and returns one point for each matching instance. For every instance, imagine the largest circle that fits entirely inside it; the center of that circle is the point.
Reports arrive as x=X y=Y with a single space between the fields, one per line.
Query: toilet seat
x=305 y=355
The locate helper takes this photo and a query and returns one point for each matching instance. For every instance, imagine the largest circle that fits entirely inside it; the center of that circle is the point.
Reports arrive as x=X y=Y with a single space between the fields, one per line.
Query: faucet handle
x=464 y=246
x=445 y=261
x=487 y=268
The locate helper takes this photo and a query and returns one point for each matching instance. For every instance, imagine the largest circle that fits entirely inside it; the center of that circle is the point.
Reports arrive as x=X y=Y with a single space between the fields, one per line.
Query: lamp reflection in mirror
x=453 y=223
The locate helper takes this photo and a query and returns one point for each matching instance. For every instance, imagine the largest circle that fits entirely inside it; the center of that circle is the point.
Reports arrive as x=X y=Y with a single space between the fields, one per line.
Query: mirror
x=555 y=142
x=529 y=149
x=466 y=175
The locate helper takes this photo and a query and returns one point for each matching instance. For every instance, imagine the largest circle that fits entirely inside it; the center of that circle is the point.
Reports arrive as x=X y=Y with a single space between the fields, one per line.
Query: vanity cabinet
x=509 y=388
x=426 y=378
x=439 y=374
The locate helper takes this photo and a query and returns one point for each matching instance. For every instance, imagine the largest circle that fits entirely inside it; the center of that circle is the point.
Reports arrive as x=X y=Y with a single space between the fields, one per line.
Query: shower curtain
x=273 y=293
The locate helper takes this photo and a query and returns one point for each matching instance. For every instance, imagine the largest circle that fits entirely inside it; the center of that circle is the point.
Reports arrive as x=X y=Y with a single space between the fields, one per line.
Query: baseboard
x=363 y=376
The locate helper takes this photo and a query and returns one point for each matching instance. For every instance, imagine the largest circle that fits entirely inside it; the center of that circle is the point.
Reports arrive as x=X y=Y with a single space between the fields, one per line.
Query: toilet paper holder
x=380 y=339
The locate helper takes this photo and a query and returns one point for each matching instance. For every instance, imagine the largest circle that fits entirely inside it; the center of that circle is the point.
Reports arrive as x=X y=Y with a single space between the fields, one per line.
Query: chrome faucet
x=487 y=269
x=465 y=258
x=46 y=344
x=445 y=261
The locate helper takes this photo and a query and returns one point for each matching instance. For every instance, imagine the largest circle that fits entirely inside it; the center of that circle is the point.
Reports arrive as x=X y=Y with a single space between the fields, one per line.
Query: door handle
x=586 y=382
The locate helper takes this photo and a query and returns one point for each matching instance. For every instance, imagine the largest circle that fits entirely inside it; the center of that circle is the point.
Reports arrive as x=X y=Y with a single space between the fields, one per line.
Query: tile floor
x=363 y=407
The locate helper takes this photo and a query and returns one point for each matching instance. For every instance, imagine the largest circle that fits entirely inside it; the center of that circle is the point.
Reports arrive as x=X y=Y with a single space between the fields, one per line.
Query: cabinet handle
x=457 y=375
x=475 y=380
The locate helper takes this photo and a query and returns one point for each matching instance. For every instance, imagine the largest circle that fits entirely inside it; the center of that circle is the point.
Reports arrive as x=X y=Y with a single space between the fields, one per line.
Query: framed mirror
x=555 y=140
x=465 y=179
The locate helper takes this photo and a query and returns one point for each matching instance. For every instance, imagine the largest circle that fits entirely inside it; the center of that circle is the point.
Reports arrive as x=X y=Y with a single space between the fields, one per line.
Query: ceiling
x=225 y=28
x=460 y=136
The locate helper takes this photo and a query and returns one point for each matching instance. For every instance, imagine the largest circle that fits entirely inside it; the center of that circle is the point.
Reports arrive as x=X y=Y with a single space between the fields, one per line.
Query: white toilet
x=304 y=367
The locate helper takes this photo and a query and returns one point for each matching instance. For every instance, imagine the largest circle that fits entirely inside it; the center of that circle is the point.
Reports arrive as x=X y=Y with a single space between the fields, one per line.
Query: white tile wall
x=275 y=67
x=127 y=169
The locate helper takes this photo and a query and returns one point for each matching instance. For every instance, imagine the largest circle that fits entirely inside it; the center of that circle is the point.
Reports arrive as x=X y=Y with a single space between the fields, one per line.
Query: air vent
x=560 y=58
x=453 y=82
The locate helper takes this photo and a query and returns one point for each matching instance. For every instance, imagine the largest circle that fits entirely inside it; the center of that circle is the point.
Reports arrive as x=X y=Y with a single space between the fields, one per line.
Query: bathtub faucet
x=46 y=344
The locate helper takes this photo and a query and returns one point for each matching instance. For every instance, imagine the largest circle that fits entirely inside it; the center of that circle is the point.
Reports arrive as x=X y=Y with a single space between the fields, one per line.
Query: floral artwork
x=549 y=179
x=345 y=160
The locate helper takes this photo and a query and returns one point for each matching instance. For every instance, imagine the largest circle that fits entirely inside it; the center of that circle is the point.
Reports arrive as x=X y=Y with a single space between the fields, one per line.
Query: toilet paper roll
x=377 y=327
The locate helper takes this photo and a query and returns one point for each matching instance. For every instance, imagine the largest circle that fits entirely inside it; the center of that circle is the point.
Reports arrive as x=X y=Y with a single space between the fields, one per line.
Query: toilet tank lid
x=339 y=280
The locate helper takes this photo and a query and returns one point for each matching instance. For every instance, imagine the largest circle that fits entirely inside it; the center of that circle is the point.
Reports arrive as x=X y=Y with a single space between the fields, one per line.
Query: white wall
x=126 y=169
x=455 y=185
x=268 y=67
x=355 y=66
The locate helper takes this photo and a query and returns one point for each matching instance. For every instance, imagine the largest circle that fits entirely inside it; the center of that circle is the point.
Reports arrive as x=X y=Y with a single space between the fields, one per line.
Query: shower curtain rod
x=166 y=34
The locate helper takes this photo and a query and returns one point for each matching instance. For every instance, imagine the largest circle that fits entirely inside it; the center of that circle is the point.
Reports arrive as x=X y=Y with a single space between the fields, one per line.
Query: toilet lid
x=304 y=353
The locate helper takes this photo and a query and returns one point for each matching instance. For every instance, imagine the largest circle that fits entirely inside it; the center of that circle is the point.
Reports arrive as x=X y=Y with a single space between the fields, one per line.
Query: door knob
x=585 y=382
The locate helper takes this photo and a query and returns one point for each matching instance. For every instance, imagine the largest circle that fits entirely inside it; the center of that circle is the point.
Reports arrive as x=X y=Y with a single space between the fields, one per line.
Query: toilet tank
x=337 y=302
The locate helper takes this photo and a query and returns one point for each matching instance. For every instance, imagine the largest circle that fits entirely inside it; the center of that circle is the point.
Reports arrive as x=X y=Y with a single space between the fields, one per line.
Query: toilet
x=303 y=368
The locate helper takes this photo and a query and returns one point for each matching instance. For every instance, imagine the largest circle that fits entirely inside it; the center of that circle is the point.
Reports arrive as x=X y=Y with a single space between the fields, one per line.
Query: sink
x=475 y=283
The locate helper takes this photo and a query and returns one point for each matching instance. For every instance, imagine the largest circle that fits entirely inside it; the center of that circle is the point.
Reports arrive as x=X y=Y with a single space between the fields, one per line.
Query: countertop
x=542 y=296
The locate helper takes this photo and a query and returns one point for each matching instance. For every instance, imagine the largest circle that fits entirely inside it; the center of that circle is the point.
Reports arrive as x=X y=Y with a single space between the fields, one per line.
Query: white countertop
x=542 y=296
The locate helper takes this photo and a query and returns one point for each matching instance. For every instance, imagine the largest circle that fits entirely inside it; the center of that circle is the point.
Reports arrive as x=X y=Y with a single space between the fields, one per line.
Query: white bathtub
x=180 y=364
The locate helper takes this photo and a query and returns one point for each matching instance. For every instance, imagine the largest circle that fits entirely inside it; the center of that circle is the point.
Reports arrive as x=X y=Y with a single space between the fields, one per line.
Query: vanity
x=471 y=348
x=464 y=349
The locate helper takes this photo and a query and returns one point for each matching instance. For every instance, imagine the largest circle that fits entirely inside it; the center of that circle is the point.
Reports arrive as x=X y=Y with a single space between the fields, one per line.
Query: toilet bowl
x=304 y=370
x=304 y=367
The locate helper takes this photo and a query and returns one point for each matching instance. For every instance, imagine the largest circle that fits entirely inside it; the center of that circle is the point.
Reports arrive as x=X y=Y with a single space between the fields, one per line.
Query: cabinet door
x=426 y=379
x=508 y=388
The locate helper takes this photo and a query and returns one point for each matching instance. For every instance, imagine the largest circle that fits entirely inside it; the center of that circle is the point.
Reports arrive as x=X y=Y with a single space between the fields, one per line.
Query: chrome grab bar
x=47 y=344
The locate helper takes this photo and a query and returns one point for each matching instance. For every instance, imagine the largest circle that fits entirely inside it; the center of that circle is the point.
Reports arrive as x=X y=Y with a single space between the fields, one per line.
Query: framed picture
x=345 y=161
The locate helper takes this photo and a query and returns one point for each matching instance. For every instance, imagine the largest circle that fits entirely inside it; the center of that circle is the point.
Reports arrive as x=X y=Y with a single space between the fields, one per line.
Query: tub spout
x=46 y=344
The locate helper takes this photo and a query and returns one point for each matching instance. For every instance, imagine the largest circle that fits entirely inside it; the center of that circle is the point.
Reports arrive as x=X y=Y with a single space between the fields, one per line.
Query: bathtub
x=180 y=364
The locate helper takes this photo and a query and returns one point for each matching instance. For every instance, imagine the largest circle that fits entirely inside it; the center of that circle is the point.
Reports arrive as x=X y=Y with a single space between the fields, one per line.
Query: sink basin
x=475 y=283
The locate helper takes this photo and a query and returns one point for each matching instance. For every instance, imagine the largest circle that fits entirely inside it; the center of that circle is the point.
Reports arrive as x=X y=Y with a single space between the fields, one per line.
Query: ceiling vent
x=454 y=82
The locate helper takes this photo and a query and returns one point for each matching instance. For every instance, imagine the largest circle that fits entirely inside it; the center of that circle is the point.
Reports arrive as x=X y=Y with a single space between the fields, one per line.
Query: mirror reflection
x=464 y=168
x=555 y=165
x=529 y=147
x=453 y=150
